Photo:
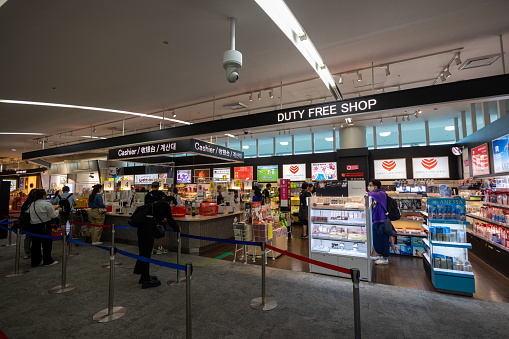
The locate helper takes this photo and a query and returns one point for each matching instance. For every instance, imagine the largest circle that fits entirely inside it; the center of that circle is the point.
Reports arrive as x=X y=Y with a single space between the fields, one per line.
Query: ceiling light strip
x=49 y=104
x=279 y=12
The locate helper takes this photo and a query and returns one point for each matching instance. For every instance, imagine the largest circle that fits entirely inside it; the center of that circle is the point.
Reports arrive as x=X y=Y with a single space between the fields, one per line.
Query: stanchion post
x=111 y=313
x=355 y=273
x=177 y=281
x=9 y=220
x=17 y=271
x=113 y=246
x=265 y=303
x=64 y=287
x=189 y=273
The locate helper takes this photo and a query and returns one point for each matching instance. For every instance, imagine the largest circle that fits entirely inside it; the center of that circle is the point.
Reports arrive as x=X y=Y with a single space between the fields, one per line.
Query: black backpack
x=392 y=209
x=23 y=221
x=139 y=217
x=65 y=204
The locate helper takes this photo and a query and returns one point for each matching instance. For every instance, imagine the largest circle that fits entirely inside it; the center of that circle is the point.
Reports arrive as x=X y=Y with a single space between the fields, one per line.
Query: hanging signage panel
x=294 y=172
x=267 y=173
x=243 y=173
x=148 y=150
x=145 y=179
x=201 y=175
x=213 y=150
x=221 y=174
x=431 y=168
x=324 y=171
x=390 y=169
x=480 y=161
x=501 y=154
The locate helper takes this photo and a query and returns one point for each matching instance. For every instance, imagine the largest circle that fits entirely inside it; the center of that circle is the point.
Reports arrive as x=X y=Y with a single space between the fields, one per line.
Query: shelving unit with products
x=446 y=257
x=340 y=234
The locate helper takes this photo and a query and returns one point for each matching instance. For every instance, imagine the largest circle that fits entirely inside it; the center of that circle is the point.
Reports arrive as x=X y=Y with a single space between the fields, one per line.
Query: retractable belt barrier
x=92 y=225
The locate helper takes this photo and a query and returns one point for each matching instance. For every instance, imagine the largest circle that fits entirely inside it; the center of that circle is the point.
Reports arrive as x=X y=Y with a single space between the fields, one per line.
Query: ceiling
x=112 y=54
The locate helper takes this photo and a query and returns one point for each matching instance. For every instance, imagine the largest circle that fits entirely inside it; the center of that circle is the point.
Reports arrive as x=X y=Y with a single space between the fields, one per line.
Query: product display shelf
x=345 y=242
x=491 y=221
x=503 y=248
x=484 y=203
x=446 y=262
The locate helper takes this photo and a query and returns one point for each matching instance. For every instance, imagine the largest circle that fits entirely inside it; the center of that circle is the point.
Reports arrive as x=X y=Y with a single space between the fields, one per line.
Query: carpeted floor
x=309 y=305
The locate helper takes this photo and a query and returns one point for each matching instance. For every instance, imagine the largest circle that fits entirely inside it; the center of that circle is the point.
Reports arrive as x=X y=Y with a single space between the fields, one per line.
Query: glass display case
x=446 y=257
x=340 y=234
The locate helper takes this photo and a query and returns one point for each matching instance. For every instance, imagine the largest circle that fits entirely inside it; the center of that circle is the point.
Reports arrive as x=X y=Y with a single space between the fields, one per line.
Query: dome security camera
x=246 y=131
x=232 y=62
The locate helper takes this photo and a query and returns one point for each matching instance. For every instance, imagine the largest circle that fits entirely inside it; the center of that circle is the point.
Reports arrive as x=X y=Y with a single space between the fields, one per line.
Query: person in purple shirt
x=380 y=239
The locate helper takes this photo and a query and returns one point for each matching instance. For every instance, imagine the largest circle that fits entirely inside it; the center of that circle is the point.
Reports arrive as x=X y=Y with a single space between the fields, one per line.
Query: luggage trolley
x=242 y=232
x=81 y=215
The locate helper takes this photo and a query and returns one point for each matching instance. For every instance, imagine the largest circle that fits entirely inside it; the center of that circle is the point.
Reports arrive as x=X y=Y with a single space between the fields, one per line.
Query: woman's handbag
x=102 y=210
x=158 y=231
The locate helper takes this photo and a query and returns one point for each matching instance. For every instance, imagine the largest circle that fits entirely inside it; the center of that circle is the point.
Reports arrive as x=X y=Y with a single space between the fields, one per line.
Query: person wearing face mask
x=381 y=241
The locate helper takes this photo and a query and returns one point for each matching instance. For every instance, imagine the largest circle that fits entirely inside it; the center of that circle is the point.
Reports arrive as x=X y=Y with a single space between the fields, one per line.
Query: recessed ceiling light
x=245 y=147
x=384 y=134
x=449 y=128
x=14 y=150
x=329 y=139
x=283 y=143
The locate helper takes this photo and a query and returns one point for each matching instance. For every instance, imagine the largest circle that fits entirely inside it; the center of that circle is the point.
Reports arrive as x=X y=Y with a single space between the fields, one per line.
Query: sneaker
x=97 y=243
x=27 y=256
x=159 y=251
x=152 y=283
x=152 y=278
x=376 y=258
x=53 y=263
x=163 y=250
x=382 y=261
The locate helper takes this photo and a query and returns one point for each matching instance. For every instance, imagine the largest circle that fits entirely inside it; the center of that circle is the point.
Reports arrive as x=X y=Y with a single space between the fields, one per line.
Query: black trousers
x=145 y=245
x=47 y=245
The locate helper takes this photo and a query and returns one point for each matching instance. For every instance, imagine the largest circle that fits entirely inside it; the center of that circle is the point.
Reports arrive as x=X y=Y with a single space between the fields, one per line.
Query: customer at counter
x=97 y=212
x=303 y=209
x=381 y=241
x=155 y=195
x=257 y=194
x=61 y=201
x=41 y=214
x=161 y=210
x=175 y=193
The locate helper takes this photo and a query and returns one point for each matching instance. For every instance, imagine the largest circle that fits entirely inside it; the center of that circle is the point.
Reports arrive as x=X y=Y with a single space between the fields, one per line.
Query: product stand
x=111 y=313
x=112 y=244
x=63 y=287
x=177 y=280
x=17 y=271
x=265 y=303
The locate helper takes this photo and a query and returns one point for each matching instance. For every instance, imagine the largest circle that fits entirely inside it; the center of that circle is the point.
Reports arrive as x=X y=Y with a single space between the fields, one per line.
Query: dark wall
x=359 y=156
x=4 y=204
x=485 y=135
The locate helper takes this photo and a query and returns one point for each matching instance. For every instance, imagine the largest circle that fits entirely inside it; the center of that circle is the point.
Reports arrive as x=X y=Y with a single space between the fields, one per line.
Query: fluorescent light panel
x=49 y=104
x=20 y=133
x=279 y=12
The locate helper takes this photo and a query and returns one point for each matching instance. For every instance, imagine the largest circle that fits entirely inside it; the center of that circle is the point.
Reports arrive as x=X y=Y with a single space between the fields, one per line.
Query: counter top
x=188 y=217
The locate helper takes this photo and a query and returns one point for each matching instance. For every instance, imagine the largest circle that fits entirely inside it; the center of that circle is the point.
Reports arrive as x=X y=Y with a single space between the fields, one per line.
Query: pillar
x=352 y=137
x=501 y=108
x=485 y=113
x=473 y=118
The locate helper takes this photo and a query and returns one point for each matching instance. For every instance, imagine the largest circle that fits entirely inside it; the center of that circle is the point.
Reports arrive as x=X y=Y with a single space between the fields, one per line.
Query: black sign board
x=331 y=188
x=168 y=148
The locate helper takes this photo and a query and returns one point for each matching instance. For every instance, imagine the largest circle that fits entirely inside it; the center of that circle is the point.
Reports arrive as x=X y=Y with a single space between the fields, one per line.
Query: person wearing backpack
x=155 y=195
x=41 y=214
x=66 y=202
x=160 y=210
x=381 y=241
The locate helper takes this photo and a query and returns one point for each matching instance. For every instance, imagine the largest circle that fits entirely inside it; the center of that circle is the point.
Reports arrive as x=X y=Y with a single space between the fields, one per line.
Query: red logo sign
x=294 y=169
x=352 y=167
x=429 y=163
x=389 y=165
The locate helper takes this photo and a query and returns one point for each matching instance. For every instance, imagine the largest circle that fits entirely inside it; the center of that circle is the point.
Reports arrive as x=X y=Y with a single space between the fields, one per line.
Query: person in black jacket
x=155 y=195
x=303 y=209
x=161 y=210
x=24 y=208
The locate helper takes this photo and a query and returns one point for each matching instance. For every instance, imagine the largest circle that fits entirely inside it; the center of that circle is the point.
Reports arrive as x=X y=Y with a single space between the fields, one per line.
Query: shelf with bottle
x=484 y=203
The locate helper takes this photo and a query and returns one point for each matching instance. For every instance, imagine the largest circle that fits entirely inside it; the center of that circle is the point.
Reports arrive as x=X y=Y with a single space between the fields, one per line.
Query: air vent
x=479 y=61
x=236 y=105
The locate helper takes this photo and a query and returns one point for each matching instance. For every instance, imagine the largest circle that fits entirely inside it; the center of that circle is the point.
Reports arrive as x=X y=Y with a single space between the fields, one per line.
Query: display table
x=217 y=226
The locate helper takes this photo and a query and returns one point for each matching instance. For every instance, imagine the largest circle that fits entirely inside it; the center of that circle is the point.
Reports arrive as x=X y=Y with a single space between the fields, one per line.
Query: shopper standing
x=177 y=196
x=96 y=214
x=161 y=210
x=257 y=194
x=219 y=199
x=41 y=214
x=24 y=209
x=303 y=209
x=155 y=195
x=66 y=201
x=380 y=239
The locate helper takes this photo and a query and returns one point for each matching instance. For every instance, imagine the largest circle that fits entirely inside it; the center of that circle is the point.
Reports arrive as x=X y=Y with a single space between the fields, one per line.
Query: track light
x=359 y=76
x=447 y=73
x=419 y=111
x=334 y=127
x=408 y=118
x=341 y=126
x=271 y=93
x=260 y=95
x=174 y=114
x=387 y=71
x=416 y=114
x=442 y=77
x=251 y=97
x=457 y=59
x=340 y=79
x=381 y=121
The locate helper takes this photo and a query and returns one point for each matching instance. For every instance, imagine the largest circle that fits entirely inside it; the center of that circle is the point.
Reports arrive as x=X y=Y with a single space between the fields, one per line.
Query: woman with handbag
x=41 y=214
x=97 y=212
x=381 y=241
